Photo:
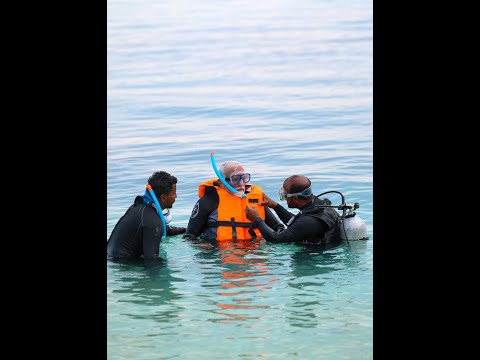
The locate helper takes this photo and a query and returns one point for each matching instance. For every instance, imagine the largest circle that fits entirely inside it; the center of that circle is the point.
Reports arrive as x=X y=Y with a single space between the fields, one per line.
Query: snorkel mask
x=167 y=215
x=232 y=190
x=283 y=195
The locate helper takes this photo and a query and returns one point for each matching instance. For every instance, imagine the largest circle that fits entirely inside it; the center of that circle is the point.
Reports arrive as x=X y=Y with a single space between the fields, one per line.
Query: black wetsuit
x=203 y=219
x=310 y=225
x=138 y=232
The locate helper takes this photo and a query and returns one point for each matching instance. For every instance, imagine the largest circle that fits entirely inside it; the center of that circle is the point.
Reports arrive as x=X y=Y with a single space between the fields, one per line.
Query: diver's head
x=297 y=191
x=234 y=173
x=164 y=186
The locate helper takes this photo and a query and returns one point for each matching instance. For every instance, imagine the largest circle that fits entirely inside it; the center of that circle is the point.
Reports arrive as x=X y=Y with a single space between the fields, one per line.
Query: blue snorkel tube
x=220 y=177
x=159 y=209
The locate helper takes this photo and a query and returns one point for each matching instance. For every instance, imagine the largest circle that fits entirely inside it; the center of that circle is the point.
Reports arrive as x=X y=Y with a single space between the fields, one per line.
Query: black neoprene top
x=308 y=226
x=138 y=232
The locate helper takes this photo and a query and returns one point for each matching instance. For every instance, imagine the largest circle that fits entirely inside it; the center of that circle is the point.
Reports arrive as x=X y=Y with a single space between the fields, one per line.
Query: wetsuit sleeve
x=199 y=216
x=175 y=230
x=300 y=229
x=272 y=221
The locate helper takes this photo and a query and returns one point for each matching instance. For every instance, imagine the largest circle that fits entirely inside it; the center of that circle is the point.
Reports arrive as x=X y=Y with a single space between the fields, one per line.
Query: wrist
x=257 y=221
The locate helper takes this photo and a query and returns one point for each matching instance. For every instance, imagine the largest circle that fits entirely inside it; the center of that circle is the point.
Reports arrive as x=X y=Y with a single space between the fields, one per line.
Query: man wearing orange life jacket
x=220 y=215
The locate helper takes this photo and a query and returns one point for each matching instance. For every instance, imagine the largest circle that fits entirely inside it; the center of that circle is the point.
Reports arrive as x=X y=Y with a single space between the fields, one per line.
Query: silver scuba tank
x=353 y=228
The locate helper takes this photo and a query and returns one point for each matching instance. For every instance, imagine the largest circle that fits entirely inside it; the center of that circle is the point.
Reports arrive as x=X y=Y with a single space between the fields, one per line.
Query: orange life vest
x=232 y=222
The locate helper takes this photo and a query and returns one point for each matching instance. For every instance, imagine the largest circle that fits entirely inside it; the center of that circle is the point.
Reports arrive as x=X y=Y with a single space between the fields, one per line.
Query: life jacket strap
x=234 y=224
x=229 y=223
x=234 y=229
x=252 y=233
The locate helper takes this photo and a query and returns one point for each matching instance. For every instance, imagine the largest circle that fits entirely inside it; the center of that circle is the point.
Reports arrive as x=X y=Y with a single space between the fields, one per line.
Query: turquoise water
x=284 y=87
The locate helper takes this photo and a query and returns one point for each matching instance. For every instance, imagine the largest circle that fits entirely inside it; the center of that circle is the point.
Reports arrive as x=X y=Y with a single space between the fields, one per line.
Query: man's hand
x=252 y=213
x=267 y=201
x=174 y=230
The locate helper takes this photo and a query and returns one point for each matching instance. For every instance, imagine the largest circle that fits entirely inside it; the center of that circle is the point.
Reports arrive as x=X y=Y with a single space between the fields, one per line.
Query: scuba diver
x=313 y=224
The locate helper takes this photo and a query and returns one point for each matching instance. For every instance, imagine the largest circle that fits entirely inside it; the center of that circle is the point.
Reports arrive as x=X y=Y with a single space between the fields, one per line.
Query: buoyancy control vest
x=232 y=222
x=330 y=217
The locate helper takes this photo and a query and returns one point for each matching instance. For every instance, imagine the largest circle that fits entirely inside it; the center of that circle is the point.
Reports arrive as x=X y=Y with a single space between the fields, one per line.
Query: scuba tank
x=350 y=226
x=353 y=228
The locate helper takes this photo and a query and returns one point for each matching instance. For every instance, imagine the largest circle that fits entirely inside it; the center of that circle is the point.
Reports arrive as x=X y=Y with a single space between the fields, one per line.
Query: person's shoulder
x=209 y=201
x=138 y=200
x=149 y=208
x=322 y=201
x=253 y=188
x=210 y=191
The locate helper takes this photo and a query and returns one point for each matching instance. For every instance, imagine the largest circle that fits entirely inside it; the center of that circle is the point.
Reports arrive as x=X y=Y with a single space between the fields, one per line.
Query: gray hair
x=228 y=166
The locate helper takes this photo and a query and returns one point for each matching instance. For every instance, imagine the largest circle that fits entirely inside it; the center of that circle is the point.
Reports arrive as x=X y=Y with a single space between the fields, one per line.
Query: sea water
x=284 y=87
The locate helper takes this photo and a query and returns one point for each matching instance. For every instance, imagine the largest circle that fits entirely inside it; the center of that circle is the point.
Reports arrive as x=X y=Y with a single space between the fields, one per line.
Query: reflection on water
x=316 y=286
x=312 y=260
x=152 y=286
x=255 y=291
x=243 y=275
x=310 y=269
x=243 y=270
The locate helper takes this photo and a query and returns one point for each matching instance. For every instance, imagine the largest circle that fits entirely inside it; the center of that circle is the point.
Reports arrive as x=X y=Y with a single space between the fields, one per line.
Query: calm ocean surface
x=284 y=87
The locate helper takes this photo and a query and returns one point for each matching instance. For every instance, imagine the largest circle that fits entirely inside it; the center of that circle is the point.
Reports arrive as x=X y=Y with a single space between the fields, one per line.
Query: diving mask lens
x=235 y=179
x=284 y=195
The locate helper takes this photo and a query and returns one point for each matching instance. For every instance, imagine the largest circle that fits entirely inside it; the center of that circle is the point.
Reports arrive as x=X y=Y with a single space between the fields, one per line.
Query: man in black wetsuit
x=138 y=232
x=311 y=225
